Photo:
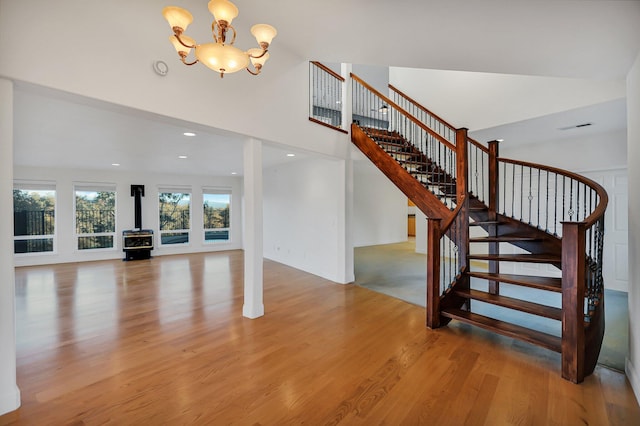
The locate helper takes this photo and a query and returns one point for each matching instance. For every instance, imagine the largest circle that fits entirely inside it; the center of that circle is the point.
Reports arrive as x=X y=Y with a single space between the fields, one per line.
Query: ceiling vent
x=577 y=126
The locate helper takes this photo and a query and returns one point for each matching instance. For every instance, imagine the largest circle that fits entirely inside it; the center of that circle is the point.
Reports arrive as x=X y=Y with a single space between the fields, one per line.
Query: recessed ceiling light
x=115 y=164
x=182 y=157
x=189 y=134
x=500 y=140
x=291 y=155
x=234 y=173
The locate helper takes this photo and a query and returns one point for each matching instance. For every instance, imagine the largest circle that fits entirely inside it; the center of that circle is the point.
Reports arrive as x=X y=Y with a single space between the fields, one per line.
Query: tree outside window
x=216 y=216
x=175 y=217
x=33 y=219
x=95 y=212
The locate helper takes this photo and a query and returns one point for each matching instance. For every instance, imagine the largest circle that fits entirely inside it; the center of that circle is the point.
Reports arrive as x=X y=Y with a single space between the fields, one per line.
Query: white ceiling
x=580 y=39
x=60 y=130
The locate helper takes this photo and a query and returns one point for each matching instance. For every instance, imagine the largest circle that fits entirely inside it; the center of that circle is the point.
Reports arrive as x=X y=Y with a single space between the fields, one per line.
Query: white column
x=345 y=247
x=9 y=392
x=253 y=286
x=347 y=106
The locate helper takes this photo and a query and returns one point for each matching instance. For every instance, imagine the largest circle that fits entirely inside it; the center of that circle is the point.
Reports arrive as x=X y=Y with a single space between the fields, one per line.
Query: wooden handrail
x=328 y=70
x=478 y=145
x=447 y=223
x=604 y=199
x=437 y=117
x=404 y=112
x=331 y=126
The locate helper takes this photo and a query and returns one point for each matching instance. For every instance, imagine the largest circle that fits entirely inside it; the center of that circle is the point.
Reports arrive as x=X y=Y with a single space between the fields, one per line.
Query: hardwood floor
x=163 y=341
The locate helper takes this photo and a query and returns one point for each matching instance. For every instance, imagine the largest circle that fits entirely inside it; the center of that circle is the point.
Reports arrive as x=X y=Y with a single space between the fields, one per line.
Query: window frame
x=95 y=187
x=34 y=186
x=217 y=191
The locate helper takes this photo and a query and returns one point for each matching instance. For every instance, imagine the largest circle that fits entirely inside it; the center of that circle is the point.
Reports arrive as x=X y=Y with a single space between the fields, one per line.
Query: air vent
x=577 y=126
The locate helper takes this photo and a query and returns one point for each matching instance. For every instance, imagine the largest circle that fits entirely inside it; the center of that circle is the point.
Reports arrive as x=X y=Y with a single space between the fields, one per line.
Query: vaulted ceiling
x=596 y=40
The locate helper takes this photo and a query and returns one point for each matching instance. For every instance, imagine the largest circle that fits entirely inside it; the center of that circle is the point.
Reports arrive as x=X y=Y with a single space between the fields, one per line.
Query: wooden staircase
x=495 y=215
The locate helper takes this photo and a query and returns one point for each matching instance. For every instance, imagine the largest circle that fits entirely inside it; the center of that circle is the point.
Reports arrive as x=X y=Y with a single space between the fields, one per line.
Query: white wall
x=461 y=98
x=303 y=203
x=65 y=243
x=380 y=208
x=633 y=149
x=593 y=152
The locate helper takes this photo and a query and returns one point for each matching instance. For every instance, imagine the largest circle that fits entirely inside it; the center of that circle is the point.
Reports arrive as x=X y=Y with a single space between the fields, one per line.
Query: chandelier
x=220 y=56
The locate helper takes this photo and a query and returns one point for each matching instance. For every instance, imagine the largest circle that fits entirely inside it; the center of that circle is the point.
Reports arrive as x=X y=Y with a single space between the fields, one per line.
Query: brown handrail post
x=494 y=190
x=573 y=292
x=433 y=272
x=462 y=195
x=462 y=171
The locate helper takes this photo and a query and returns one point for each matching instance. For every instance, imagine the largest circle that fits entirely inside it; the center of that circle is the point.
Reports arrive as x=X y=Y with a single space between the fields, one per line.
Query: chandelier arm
x=233 y=40
x=257 y=67
x=264 y=52
x=183 y=43
x=189 y=63
x=214 y=31
x=183 y=58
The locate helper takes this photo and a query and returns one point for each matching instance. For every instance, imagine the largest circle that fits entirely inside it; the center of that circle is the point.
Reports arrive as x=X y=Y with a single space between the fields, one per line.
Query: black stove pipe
x=137 y=191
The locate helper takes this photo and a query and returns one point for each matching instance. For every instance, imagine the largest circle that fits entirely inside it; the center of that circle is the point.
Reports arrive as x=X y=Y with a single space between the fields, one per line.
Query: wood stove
x=137 y=243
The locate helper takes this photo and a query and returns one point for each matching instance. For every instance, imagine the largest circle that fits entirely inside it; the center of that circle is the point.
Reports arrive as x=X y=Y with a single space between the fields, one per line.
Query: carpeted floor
x=396 y=270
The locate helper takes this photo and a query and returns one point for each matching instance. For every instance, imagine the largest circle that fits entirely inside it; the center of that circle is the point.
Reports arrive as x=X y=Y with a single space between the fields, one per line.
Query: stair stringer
x=424 y=200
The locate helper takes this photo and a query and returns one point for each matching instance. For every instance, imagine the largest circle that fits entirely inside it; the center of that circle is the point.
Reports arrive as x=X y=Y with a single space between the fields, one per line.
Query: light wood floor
x=163 y=341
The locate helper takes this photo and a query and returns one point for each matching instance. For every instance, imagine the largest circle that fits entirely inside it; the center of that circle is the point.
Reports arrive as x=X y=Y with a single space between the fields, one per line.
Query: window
x=217 y=204
x=95 y=213
x=175 y=220
x=34 y=218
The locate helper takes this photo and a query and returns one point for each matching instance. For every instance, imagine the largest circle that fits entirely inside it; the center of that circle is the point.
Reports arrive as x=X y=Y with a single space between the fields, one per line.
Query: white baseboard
x=10 y=401
x=634 y=378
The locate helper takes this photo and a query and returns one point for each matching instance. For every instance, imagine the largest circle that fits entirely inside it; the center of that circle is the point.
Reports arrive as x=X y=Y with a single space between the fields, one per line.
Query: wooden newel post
x=494 y=190
x=462 y=163
x=573 y=293
x=433 y=272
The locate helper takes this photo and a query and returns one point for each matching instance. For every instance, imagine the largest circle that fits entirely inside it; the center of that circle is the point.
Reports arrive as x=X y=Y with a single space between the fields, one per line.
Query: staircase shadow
x=398 y=271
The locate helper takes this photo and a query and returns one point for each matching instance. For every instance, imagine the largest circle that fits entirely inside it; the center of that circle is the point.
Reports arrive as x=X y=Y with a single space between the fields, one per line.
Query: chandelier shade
x=223 y=10
x=177 y=17
x=220 y=56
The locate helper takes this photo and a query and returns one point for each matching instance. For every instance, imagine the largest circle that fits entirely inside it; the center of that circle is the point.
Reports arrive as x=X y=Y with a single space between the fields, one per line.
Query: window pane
x=34 y=212
x=174 y=237
x=33 y=246
x=33 y=215
x=216 y=216
x=95 y=212
x=174 y=211
x=96 y=242
x=216 y=210
x=217 y=235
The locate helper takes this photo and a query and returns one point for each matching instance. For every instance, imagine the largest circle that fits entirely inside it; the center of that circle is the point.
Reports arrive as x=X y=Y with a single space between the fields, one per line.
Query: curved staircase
x=486 y=213
x=505 y=234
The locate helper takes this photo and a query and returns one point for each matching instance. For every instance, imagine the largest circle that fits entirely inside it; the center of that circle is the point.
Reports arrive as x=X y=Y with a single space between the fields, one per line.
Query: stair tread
x=530 y=258
x=502 y=238
x=535 y=337
x=509 y=302
x=484 y=222
x=542 y=283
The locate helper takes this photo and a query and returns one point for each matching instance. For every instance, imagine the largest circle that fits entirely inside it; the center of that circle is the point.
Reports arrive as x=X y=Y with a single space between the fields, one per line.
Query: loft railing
x=325 y=103
x=439 y=165
x=433 y=121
